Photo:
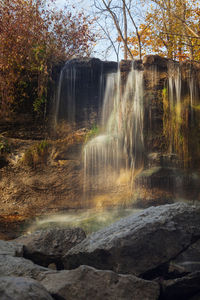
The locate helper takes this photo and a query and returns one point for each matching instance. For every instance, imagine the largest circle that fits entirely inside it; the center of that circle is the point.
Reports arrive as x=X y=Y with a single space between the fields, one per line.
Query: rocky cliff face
x=80 y=91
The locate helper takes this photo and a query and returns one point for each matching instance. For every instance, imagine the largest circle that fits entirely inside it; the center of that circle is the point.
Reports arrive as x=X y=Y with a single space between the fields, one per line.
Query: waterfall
x=120 y=144
x=66 y=94
x=148 y=128
x=58 y=95
x=179 y=112
x=80 y=91
x=174 y=104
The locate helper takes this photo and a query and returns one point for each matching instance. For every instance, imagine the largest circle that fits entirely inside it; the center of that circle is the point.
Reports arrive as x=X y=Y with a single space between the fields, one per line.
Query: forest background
x=37 y=35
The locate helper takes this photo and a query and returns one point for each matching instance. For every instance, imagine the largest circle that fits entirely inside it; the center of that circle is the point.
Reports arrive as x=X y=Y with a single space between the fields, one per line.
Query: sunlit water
x=120 y=145
x=89 y=220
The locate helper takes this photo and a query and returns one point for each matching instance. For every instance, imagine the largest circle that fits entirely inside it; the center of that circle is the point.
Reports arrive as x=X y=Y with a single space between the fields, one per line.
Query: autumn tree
x=34 y=36
x=173 y=29
x=166 y=27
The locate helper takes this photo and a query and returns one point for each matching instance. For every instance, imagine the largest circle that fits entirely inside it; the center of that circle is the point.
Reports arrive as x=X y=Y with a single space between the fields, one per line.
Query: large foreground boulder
x=19 y=267
x=13 y=288
x=48 y=246
x=139 y=243
x=89 y=283
x=11 y=248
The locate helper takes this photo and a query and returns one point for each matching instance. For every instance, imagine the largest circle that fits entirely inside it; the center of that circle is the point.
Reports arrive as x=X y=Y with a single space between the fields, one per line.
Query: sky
x=86 y=5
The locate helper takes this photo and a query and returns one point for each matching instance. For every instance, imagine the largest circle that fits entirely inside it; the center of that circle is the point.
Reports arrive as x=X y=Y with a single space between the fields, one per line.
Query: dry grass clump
x=36 y=154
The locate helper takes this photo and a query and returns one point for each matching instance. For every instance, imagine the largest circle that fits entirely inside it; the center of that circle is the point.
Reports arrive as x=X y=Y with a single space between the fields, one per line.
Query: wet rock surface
x=89 y=283
x=139 y=243
x=166 y=177
x=84 y=84
x=48 y=246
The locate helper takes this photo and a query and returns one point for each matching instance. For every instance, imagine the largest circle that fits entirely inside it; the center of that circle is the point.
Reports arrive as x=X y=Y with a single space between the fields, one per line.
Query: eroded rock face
x=139 y=243
x=89 y=283
x=12 y=288
x=48 y=246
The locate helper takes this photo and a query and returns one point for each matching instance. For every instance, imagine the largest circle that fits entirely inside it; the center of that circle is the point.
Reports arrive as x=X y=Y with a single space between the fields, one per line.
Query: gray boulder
x=89 y=283
x=11 y=248
x=141 y=242
x=13 y=288
x=19 y=267
x=48 y=246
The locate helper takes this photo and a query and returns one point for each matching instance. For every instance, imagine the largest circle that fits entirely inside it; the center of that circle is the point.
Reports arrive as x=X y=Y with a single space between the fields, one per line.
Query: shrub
x=94 y=131
x=36 y=154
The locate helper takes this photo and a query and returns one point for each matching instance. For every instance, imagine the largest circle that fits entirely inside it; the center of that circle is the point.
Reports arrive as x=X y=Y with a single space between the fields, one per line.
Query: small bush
x=94 y=131
x=36 y=154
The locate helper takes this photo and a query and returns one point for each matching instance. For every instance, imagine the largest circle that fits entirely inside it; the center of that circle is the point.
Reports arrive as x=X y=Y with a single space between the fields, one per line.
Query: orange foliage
x=171 y=28
x=33 y=37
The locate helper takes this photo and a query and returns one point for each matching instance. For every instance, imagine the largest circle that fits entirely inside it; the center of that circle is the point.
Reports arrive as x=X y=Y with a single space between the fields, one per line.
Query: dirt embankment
x=40 y=174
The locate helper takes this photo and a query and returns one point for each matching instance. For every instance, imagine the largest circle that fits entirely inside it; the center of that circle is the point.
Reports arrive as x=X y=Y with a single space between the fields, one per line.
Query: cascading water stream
x=66 y=108
x=80 y=91
x=180 y=116
x=120 y=146
x=58 y=96
x=174 y=88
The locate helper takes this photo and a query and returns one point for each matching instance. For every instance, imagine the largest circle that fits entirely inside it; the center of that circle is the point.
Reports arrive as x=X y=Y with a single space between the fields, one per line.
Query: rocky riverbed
x=151 y=255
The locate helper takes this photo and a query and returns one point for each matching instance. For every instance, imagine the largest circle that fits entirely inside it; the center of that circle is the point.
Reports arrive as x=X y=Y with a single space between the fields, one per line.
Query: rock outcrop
x=49 y=246
x=89 y=283
x=151 y=247
x=139 y=243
